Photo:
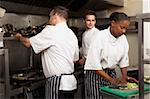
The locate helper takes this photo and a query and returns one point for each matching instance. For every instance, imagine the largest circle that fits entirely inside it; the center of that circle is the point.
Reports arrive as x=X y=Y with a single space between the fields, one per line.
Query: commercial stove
x=28 y=83
x=25 y=76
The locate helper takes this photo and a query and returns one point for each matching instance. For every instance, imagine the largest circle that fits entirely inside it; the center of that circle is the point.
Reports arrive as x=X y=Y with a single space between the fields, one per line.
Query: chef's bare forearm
x=24 y=40
x=105 y=75
x=124 y=72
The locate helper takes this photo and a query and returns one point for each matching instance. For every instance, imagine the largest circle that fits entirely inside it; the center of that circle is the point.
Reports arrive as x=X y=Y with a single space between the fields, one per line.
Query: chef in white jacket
x=58 y=46
x=90 y=32
x=108 y=50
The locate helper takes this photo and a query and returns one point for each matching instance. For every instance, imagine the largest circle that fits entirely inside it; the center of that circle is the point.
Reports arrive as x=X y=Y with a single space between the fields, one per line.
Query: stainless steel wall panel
x=18 y=54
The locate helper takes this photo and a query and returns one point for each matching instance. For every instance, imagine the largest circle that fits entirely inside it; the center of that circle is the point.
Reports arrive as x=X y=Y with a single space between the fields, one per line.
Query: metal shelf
x=147 y=61
x=6 y=93
x=141 y=19
x=145 y=17
x=132 y=30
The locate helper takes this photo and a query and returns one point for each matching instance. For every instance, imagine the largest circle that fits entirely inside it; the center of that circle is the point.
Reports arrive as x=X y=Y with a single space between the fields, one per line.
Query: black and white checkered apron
x=93 y=82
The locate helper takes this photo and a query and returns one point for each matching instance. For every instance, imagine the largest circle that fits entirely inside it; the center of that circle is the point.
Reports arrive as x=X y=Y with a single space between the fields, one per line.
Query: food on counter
x=147 y=79
x=129 y=86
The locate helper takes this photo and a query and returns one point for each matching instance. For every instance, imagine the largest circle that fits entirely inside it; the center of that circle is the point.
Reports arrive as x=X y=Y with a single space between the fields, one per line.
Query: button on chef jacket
x=59 y=47
x=106 y=51
x=87 y=38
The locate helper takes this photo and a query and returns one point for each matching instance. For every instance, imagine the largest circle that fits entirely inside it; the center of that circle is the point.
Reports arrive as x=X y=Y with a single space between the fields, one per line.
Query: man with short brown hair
x=58 y=46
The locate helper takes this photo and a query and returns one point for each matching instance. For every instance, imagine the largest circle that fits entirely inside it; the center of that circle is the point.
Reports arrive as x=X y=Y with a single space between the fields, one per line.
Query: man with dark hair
x=87 y=37
x=58 y=46
x=108 y=50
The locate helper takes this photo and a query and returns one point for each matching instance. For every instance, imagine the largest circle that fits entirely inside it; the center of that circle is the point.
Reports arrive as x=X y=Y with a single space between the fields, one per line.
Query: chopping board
x=124 y=93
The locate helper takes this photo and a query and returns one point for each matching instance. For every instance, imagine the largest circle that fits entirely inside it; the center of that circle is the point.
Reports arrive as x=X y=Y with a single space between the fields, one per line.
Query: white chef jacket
x=87 y=38
x=59 y=47
x=106 y=51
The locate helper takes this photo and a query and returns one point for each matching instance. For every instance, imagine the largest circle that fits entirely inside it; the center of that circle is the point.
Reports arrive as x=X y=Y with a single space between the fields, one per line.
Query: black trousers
x=66 y=94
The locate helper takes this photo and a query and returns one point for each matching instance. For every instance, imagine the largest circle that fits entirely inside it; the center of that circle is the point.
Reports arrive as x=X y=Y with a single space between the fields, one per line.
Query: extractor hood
x=76 y=7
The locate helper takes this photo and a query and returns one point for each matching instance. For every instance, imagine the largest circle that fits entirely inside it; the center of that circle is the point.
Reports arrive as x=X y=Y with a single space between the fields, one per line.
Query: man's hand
x=24 y=40
x=82 y=61
x=18 y=36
